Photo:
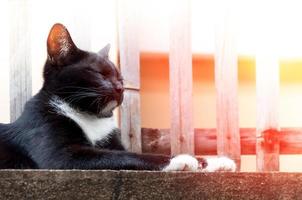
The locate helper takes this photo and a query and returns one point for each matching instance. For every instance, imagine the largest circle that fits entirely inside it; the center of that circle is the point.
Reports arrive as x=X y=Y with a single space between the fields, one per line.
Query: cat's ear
x=59 y=44
x=104 y=52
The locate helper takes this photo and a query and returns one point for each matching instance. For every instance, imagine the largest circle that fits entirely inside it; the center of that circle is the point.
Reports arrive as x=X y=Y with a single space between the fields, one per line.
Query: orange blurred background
x=155 y=91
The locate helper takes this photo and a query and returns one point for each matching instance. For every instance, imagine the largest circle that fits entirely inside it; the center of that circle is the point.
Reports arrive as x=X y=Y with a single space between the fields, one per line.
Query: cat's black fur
x=44 y=139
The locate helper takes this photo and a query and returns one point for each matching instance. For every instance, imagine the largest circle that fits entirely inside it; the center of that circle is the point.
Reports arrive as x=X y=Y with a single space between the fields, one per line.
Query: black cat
x=69 y=123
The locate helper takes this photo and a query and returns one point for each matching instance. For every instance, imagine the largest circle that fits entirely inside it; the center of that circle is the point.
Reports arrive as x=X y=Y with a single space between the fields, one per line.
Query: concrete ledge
x=76 y=184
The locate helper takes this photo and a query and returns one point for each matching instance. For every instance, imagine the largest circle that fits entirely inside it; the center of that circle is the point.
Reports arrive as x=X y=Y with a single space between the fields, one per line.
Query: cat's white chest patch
x=95 y=129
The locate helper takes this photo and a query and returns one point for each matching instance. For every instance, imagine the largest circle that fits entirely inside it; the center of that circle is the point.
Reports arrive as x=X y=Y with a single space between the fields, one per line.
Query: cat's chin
x=108 y=110
x=105 y=115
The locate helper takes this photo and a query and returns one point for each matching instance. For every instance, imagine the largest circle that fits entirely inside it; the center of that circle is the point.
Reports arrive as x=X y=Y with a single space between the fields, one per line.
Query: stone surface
x=75 y=184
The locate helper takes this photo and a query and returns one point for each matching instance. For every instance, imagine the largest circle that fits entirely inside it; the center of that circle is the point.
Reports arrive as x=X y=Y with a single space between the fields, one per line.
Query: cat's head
x=87 y=81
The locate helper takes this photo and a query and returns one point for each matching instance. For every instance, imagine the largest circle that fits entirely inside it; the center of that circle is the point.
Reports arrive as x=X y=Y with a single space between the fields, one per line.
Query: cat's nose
x=119 y=88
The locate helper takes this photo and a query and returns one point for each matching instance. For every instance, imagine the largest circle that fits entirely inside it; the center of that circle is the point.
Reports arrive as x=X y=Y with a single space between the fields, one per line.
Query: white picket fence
x=122 y=31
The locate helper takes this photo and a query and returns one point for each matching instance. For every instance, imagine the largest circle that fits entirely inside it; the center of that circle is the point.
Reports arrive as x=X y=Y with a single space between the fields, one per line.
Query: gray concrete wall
x=85 y=185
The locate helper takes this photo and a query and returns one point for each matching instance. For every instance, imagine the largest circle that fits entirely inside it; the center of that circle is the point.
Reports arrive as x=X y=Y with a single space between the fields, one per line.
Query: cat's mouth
x=107 y=111
x=120 y=98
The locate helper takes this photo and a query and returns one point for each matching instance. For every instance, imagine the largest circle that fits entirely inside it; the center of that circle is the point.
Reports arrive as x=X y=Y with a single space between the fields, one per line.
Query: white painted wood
x=267 y=90
x=128 y=23
x=267 y=86
x=104 y=27
x=4 y=63
x=105 y=16
x=226 y=81
x=19 y=56
x=180 y=60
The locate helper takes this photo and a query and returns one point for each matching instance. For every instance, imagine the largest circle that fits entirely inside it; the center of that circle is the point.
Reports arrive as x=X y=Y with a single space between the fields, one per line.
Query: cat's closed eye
x=96 y=72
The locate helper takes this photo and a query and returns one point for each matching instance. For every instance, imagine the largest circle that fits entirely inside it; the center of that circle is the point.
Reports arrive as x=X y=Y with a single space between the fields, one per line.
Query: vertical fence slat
x=267 y=90
x=226 y=80
x=130 y=69
x=267 y=86
x=19 y=56
x=101 y=37
x=182 y=133
x=4 y=63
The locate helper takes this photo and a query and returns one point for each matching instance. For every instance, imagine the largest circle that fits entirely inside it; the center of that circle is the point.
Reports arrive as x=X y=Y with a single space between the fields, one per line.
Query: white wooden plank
x=19 y=56
x=180 y=60
x=226 y=81
x=130 y=69
x=4 y=63
x=267 y=90
x=130 y=121
x=104 y=14
x=267 y=86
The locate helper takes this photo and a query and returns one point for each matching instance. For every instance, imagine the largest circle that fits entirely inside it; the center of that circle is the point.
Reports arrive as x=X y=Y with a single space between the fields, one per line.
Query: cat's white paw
x=182 y=162
x=219 y=164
